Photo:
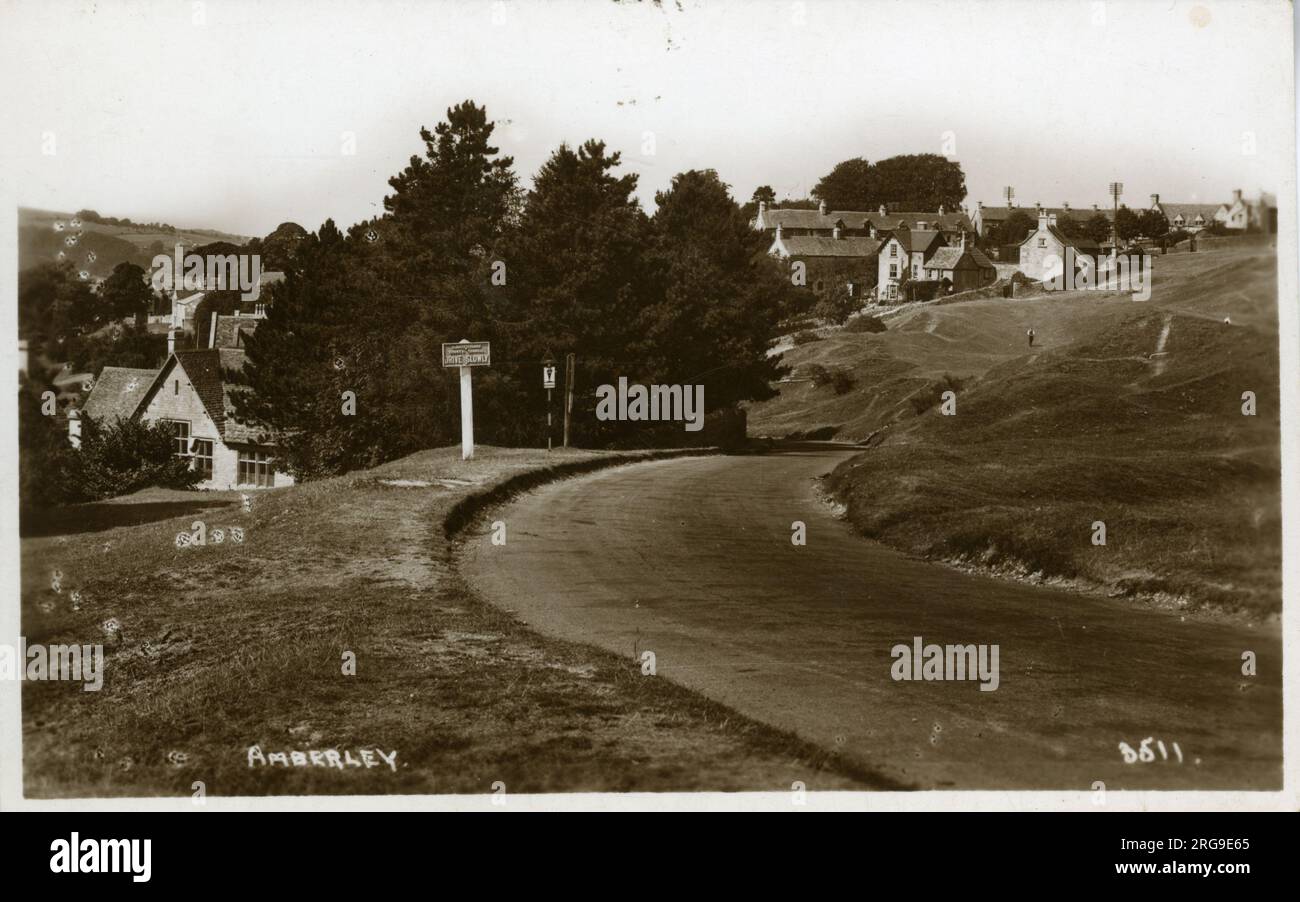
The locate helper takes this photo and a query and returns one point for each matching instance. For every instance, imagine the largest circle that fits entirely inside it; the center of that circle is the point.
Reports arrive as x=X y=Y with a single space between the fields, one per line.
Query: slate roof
x=1189 y=211
x=859 y=219
x=820 y=246
x=950 y=257
x=1079 y=214
x=1082 y=244
x=118 y=392
x=916 y=239
x=232 y=329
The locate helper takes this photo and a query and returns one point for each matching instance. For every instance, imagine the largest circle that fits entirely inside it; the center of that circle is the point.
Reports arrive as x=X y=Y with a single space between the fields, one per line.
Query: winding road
x=692 y=560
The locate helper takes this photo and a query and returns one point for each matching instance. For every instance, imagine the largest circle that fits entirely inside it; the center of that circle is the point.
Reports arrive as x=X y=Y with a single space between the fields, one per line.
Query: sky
x=239 y=115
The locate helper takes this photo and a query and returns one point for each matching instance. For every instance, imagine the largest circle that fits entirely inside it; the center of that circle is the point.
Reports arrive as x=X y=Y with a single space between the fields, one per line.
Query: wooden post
x=466 y=414
x=569 y=366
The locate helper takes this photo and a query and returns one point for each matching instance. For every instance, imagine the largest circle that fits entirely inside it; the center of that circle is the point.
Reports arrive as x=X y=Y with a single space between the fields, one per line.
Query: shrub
x=125 y=456
x=865 y=323
x=806 y=337
x=839 y=379
x=818 y=375
x=842 y=381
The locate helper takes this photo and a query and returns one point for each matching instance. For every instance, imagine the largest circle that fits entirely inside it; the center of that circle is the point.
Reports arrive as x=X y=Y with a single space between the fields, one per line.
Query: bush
x=920 y=291
x=806 y=337
x=126 y=456
x=865 y=323
x=839 y=379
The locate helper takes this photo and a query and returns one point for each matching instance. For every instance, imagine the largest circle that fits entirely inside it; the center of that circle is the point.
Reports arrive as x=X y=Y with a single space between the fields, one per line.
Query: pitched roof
x=232 y=329
x=118 y=392
x=860 y=219
x=916 y=239
x=232 y=429
x=1189 y=211
x=997 y=214
x=950 y=257
x=1082 y=244
x=820 y=246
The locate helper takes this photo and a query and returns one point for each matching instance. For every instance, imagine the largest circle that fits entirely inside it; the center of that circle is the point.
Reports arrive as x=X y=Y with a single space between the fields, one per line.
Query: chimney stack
x=1155 y=200
x=821 y=207
x=1236 y=195
x=1051 y=219
x=963 y=239
x=940 y=209
x=778 y=231
x=171 y=342
x=1065 y=205
x=882 y=210
x=835 y=233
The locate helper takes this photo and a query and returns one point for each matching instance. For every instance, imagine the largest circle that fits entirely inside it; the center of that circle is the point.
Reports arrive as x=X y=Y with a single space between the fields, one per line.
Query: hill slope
x=1126 y=413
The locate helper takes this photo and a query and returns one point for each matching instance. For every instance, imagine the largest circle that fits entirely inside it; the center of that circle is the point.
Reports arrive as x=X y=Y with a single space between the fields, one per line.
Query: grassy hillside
x=40 y=242
x=1123 y=412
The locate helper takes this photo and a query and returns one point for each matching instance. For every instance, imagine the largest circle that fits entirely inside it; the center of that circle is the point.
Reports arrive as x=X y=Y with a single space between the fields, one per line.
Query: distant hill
x=44 y=234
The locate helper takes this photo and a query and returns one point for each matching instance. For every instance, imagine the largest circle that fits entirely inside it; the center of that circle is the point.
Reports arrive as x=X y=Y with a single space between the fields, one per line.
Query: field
x=39 y=242
x=1122 y=412
x=229 y=646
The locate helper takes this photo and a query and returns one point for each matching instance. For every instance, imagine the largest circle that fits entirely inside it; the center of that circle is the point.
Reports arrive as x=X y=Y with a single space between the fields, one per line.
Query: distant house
x=857 y=224
x=191 y=393
x=960 y=268
x=1189 y=217
x=1042 y=253
x=987 y=218
x=903 y=257
x=833 y=260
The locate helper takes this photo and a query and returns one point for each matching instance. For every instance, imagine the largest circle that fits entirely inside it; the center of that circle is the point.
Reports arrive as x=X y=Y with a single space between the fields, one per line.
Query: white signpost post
x=466 y=354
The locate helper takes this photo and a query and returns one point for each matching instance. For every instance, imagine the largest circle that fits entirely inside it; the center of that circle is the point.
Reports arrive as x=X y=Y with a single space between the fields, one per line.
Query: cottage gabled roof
x=118 y=392
x=1082 y=244
x=1189 y=212
x=1078 y=214
x=951 y=258
x=916 y=239
x=861 y=219
x=821 y=246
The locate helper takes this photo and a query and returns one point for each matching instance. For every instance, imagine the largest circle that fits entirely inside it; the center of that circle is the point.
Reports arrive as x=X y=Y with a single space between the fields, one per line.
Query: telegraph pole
x=1116 y=189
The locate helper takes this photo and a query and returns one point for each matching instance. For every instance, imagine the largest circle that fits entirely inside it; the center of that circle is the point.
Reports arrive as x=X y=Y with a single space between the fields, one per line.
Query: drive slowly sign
x=467 y=353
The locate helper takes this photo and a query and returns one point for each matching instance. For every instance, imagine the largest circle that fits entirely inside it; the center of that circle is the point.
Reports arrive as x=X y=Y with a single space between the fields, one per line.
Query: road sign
x=548 y=377
x=467 y=353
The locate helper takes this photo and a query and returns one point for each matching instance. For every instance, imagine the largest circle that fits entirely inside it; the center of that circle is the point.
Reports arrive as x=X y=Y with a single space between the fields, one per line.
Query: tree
x=1127 y=224
x=125 y=456
x=126 y=293
x=362 y=313
x=1097 y=228
x=53 y=306
x=837 y=305
x=917 y=182
x=1013 y=230
x=44 y=454
x=851 y=185
x=763 y=194
x=717 y=298
x=1153 y=224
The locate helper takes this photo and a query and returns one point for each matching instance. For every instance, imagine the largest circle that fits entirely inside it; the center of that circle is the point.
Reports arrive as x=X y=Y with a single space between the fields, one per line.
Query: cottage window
x=181 y=437
x=1042 y=242
x=255 y=468
x=893 y=250
x=202 y=449
x=176 y=387
x=893 y=270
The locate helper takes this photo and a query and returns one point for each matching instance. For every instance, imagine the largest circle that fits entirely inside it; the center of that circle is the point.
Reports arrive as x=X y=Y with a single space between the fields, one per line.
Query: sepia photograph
x=696 y=404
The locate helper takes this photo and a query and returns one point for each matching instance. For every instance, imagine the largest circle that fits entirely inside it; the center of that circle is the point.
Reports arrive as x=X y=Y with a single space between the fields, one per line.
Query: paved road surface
x=692 y=559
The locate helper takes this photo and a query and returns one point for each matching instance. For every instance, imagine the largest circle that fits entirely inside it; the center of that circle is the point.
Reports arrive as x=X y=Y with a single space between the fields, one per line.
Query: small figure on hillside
x=1030 y=333
x=1227 y=321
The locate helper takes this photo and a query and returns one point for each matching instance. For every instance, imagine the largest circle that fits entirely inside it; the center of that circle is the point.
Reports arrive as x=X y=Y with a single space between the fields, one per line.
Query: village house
x=857 y=224
x=960 y=268
x=192 y=393
x=1042 y=253
x=1237 y=215
x=902 y=258
x=987 y=218
x=829 y=261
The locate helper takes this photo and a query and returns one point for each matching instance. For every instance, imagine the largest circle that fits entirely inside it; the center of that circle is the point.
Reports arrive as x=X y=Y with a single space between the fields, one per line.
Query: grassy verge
x=228 y=646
